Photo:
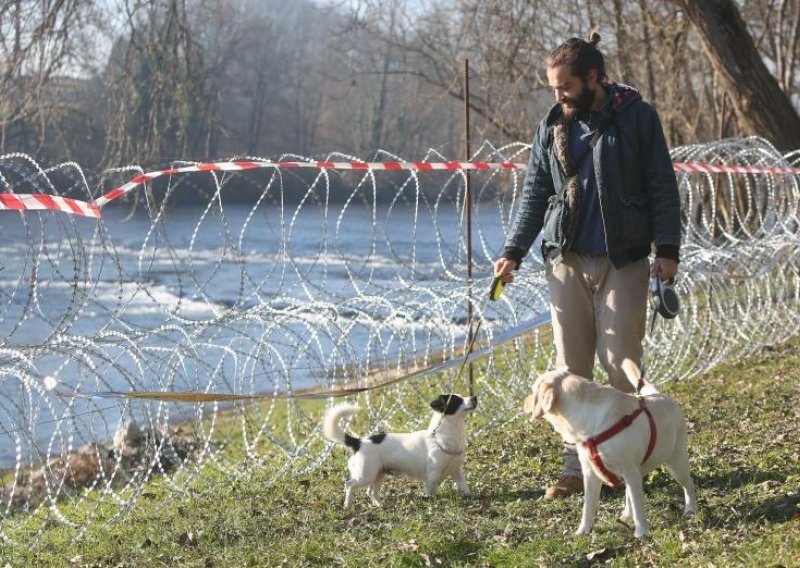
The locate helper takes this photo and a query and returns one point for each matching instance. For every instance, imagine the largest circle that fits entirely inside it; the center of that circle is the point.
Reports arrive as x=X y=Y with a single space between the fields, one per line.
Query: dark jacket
x=636 y=183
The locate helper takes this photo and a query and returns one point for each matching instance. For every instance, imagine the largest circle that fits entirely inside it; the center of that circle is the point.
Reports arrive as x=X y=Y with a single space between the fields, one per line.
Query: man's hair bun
x=580 y=55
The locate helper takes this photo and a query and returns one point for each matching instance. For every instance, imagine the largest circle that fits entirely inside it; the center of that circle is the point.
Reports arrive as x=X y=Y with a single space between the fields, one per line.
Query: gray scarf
x=572 y=187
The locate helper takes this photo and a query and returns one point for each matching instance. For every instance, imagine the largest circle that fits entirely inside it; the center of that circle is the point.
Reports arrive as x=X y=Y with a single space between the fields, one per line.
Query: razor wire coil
x=275 y=283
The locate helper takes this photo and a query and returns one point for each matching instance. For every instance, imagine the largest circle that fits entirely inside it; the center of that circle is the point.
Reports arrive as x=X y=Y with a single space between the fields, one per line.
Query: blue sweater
x=590 y=236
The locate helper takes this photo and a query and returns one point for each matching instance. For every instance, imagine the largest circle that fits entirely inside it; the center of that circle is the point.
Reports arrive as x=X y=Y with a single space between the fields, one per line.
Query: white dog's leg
x=348 y=493
x=461 y=482
x=591 y=498
x=431 y=483
x=634 y=494
x=375 y=488
x=625 y=515
x=351 y=484
x=680 y=472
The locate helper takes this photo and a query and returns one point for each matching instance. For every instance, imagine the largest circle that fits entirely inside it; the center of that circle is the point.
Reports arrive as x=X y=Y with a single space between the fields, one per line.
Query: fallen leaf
x=410 y=546
x=597 y=555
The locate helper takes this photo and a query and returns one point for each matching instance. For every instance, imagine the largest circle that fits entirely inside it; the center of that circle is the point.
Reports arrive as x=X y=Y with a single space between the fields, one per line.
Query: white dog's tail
x=334 y=432
x=637 y=379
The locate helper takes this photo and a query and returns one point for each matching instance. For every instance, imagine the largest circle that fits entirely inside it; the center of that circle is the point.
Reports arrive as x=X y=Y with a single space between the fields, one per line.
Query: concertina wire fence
x=293 y=286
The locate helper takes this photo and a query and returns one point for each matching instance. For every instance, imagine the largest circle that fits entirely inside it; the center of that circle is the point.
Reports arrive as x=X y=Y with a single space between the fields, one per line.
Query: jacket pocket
x=636 y=224
x=552 y=231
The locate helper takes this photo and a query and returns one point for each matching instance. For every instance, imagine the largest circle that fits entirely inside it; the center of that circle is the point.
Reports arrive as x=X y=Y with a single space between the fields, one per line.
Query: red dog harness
x=592 y=443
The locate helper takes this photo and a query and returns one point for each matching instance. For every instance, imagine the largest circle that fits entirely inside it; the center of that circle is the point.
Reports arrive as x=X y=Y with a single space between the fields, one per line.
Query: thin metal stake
x=468 y=205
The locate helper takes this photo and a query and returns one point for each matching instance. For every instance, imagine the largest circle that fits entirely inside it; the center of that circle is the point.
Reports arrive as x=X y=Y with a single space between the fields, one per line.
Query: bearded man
x=601 y=190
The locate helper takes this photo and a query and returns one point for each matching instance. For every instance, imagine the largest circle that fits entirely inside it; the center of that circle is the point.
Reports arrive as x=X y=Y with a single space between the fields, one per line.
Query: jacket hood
x=620 y=97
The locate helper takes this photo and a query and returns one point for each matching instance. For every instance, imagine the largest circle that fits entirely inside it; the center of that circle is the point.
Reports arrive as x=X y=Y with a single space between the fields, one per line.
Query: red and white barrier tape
x=67 y=205
x=239 y=166
x=43 y=201
x=691 y=167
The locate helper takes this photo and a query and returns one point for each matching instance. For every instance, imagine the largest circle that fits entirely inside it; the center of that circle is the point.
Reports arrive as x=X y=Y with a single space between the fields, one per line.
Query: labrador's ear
x=540 y=401
x=529 y=404
x=632 y=371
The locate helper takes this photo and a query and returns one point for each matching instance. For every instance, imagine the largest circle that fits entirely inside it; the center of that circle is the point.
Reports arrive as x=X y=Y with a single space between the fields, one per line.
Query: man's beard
x=582 y=104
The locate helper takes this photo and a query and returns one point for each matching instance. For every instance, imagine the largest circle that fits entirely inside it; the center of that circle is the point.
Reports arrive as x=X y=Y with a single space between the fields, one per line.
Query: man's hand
x=664 y=268
x=503 y=268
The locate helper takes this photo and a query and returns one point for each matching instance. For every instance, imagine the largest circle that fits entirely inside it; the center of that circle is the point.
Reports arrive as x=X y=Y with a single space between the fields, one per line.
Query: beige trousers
x=597 y=310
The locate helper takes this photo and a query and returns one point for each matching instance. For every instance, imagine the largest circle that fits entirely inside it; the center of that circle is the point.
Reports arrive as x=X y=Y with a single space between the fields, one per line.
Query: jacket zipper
x=561 y=237
x=598 y=182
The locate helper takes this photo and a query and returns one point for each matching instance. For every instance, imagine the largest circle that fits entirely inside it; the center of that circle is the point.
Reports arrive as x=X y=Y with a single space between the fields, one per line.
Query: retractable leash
x=664 y=299
x=468 y=352
x=494 y=293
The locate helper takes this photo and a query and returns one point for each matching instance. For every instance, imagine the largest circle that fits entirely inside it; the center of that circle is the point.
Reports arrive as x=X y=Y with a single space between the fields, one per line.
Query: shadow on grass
x=757 y=508
x=779 y=509
x=598 y=557
x=738 y=478
x=774 y=511
x=607 y=493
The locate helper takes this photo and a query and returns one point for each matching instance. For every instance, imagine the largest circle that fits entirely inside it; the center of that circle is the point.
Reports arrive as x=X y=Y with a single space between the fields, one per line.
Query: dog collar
x=445 y=450
x=592 y=443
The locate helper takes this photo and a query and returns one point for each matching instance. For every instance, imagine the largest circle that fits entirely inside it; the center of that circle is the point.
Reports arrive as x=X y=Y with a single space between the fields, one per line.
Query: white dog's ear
x=440 y=404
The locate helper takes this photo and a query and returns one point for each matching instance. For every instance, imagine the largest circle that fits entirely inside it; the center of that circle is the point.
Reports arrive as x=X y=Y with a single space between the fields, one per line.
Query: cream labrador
x=429 y=455
x=617 y=435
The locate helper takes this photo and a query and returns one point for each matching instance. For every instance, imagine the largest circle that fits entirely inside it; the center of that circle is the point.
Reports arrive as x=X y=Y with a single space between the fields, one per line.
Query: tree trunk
x=760 y=104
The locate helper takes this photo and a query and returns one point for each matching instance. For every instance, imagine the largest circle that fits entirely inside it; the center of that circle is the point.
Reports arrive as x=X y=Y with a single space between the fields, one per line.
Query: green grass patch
x=744 y=452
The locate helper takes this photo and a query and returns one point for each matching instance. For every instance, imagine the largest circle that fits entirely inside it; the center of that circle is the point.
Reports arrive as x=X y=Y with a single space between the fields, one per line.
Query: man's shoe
x=567 y=485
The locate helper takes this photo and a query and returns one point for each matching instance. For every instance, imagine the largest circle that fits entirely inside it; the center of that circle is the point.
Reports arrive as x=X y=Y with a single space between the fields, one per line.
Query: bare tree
x=193 y=79
x=39 y=41
x=156 y=81
x=775 y=26
x=761 y=106
x=273 y=78
x=652 y=47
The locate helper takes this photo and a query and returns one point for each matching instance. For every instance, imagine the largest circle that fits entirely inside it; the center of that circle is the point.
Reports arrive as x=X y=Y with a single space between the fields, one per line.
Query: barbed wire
x=269 y=284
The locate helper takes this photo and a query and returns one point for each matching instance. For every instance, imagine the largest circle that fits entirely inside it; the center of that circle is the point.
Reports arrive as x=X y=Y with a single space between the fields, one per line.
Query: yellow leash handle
x=497 y=288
